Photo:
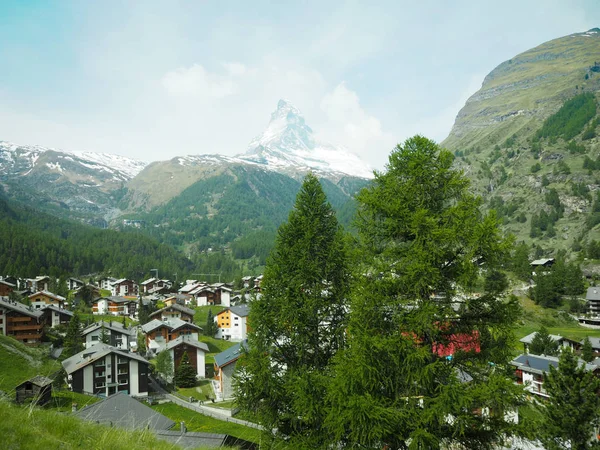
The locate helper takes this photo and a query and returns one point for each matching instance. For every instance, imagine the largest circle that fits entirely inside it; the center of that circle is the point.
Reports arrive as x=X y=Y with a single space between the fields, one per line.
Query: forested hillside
x=33 y=243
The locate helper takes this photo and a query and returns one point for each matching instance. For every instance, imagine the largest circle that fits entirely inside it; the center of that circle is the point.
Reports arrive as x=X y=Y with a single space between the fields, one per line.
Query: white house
x=118 y=335
x=232 y=323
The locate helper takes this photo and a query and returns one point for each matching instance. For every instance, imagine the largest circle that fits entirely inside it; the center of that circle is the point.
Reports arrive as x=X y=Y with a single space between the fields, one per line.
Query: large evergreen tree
x=164 y=366
x=185 y=375
x=298 y=322
x=424 y=242
x=572 y=413
x=543 y=344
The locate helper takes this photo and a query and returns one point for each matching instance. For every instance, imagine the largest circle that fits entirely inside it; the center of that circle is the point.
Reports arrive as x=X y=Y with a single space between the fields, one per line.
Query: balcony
x=536 y=387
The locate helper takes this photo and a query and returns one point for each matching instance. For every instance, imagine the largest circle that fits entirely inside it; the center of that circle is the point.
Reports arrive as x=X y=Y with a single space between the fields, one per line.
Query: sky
x=157 y=79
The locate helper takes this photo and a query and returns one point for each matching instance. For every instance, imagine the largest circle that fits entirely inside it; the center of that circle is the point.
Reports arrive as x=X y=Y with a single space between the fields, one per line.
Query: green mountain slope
x=33 y=243
x=527 y=139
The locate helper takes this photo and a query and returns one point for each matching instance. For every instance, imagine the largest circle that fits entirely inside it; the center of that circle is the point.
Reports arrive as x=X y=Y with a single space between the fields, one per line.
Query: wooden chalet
x=174 y=311
x=42 y=299
x=6 y=288
x=160 y=332
x=21 y=322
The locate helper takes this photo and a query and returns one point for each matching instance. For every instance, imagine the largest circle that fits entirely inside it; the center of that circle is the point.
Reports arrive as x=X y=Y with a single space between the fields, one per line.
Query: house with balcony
x=155 y=285
x=530 y=371
x=561 y=341
x=174 y=311
x=21 y=322
x=160 y=332
x=232 y=323
x=124 y=287
x=114 y=305
x=40 y=283
x=42 y=299
x=104 y=370
x=55 y=316
x=117 y=334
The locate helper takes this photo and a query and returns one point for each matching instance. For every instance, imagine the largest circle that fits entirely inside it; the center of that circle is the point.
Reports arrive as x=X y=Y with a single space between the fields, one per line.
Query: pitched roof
x=593 y=293
x=188 y=340
x=6 y=283
x=529 y=338
x=542 y=262
x=38 y=380
x=240 y=310
x=57 y=309
x=231 y=354
x=176 y=307
x=111 y=325
x=115 y=299
x=594 y=341
x=194 y=439
x=20 y=308
x=123 y=411
x=94 y=353
x=540 y=364
x=172 y=324
x=49 y=294
x=148 y=281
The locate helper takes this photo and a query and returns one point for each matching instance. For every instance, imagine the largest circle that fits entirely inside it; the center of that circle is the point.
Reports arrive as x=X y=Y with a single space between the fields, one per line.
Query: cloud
x=349 y=124
x=197 y=81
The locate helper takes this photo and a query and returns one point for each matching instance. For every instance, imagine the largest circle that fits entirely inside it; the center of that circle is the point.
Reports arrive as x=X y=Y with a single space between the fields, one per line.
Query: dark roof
x=38 y=380
x=123 y=411
x=7 y=283
x=116 y=299
x=49 y=294
x=20 y=308
x=593 y=293
x=115 y=326
x=193 y=439
x=57 y=309
x=94 y=353
x=541 y=364
x=240 y=310
x=189 y=340
x=176 y=307
x=172 y=324
x=231 y=354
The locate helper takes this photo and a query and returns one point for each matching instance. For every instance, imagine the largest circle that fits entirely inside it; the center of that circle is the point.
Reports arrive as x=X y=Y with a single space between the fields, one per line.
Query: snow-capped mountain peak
x=288 y=143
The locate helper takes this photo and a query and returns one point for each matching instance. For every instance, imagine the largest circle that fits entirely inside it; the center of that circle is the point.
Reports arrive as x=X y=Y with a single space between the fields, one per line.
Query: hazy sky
x=153 y=80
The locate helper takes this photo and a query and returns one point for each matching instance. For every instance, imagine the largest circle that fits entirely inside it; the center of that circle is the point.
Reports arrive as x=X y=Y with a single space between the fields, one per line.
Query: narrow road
x=201 y=409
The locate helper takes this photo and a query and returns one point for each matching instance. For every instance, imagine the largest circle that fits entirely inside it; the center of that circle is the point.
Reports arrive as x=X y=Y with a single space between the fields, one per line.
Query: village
x=128 y=331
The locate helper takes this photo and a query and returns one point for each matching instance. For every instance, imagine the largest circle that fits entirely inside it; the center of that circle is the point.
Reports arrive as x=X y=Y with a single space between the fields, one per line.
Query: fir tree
x=587 y=351
x=74 y=339
x=298 y=322
x=185 y=375
x=423 y=237
x=104 y=335
x=211 y=327
x=543 y=344
x=572 y=413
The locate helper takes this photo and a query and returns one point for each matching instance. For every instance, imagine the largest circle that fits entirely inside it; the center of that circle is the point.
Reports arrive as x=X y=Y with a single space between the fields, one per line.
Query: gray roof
x=189 y=340
x=193 y=439
x=172 y=323
x=57 y=309
x=527 y=339
x=176 y=307
x=593 y=293
x=123 y=411
x=115 y=326
x=94 y=353
x=231 y=354
x=541 y=364
x=240 y=310
x=49 y=294
x=116 y=299
x=595 y=342
x=38 y=380
x=7 y=283
x=20 y=308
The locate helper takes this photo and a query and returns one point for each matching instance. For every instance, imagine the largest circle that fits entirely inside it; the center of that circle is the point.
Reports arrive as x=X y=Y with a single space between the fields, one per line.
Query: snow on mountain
x=21 y=159
x=288 y=143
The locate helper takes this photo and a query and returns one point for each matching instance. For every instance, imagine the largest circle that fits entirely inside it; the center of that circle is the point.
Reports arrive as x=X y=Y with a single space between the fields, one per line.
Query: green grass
x=201 y=392
x=63 y=400
x=41 y=429
x=202 y=313
x=215 y=346
x=22 y=363
x=198 y=422
x=556 y=321
x=106 y=318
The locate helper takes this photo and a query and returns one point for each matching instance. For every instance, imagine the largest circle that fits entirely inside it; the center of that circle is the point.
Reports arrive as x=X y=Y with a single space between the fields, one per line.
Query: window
x=236 y=324
x=100 y=385
x=236 y=318
x=123 y=381
x=122 y=360
x=123 y=371
x=99 y=374
x=99 y=363
x=94 y=338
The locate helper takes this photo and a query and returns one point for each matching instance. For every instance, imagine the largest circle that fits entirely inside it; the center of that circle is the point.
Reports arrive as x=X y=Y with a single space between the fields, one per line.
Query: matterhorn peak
x=288 y=143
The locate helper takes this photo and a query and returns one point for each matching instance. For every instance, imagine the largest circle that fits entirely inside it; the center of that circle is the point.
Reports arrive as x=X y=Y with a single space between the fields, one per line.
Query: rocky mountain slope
x=83 y=185
x=525 y=136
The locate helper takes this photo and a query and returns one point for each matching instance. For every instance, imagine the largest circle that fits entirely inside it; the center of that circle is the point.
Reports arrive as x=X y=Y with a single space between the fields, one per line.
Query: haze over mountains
x=207 y=201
